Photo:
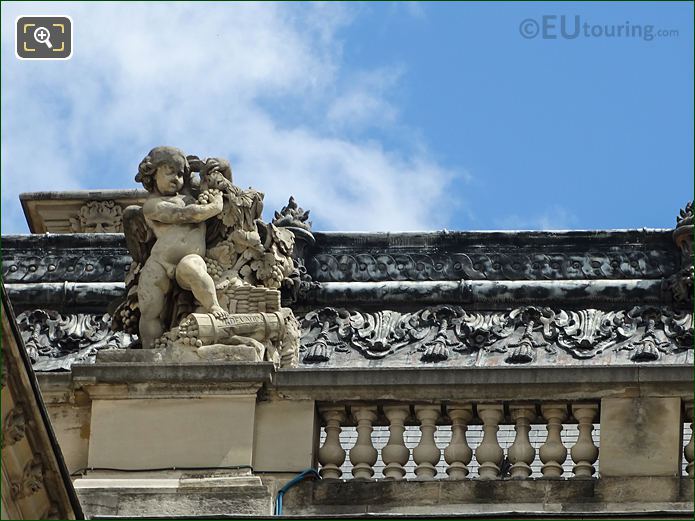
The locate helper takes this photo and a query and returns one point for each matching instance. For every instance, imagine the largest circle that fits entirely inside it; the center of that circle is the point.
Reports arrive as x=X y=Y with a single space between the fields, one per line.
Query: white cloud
x=365 y=104
x=214 y=79
x=554 y=217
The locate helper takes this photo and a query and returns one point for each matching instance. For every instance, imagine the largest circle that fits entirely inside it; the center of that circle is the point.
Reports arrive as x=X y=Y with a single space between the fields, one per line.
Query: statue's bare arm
x=170 y=213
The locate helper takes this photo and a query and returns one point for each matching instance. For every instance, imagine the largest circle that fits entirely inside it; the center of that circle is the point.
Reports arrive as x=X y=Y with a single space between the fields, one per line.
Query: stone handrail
x=489 y=455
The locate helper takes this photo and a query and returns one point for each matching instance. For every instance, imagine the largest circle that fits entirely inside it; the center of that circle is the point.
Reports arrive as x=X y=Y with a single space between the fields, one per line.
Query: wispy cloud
x=202 y=77
x=554 y=217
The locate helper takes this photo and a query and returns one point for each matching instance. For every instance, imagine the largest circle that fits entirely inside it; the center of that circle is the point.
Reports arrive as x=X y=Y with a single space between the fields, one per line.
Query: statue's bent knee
x=190 y=268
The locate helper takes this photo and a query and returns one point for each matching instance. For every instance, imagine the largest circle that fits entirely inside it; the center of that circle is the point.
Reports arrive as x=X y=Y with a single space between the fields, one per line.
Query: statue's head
x=164 y=170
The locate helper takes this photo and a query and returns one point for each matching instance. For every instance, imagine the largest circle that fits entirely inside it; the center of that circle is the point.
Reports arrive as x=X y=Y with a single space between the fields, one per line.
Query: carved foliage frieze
x=375 y=267
x=51 y=337
x=521 y=334
x=71 y=265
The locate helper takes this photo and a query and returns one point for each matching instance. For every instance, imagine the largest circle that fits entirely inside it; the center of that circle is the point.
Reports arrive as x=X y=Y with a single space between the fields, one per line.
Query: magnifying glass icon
x=43 y=35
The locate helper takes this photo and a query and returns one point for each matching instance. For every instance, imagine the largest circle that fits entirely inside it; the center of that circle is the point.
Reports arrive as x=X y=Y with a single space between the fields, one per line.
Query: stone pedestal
x=174 y=438
x=640 y=437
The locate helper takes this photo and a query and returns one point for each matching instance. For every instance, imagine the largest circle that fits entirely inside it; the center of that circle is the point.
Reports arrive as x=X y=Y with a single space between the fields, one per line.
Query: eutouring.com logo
x=554 y=27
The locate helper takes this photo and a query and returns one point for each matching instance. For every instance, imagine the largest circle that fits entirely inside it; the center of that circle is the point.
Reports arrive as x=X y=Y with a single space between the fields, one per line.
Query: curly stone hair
x=157 y=157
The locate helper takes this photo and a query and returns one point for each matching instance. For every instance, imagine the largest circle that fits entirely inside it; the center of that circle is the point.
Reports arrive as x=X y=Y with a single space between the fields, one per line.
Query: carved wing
x=138 y=236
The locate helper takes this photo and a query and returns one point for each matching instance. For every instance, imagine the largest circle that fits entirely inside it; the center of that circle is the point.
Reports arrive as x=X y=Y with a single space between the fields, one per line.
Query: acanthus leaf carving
x=376 y=334
x=54 y=340
x=646 y=331
x=584 y=333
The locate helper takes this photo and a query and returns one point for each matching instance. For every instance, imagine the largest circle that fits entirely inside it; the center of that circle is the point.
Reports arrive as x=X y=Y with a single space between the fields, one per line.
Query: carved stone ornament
x=507 y=265
x=14 y=426
x=437 y=332
x=681 y=283
x=292 y=216
x=56 y=341
x=31 y=480
x=203 y=258
x=98 y=217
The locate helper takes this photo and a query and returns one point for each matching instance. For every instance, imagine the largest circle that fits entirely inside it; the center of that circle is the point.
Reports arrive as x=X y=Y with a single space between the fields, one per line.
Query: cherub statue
x=202 y=255
x=177 y=221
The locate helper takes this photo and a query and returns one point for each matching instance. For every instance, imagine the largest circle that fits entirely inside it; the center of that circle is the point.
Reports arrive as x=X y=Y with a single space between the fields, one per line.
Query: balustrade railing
x=689 y=446
x=459 y=440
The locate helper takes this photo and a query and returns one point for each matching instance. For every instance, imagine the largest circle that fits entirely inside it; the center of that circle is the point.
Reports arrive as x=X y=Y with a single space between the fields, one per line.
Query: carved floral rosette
x=646 y=333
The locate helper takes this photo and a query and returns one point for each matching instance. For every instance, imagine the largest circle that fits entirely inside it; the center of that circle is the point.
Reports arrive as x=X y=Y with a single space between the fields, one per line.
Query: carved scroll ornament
x=437 y=332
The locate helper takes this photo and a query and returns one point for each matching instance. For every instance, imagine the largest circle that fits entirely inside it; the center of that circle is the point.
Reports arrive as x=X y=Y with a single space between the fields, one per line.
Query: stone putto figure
x=206 y=271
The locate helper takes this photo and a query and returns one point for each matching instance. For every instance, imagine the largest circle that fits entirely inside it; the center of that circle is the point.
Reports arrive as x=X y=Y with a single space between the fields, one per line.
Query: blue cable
x=310 y=472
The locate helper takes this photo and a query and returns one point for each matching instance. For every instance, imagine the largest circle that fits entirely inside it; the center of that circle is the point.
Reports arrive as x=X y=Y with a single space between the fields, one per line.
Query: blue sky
x=376 y=116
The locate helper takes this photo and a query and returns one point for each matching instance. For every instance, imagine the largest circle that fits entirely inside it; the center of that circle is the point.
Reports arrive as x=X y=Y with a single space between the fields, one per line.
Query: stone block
x=172 y=432
x=285 y=436
x=136 y=497
x=640 y=437
x=71 y=425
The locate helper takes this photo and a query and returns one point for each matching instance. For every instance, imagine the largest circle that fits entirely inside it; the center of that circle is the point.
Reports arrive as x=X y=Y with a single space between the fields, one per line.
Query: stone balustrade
x=425 y=441
x=689 y=448
x=459 y=440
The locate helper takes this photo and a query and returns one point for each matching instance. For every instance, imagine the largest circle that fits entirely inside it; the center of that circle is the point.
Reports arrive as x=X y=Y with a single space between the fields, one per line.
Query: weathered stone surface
x=528 y=334
x=285 y=436
x=424 y=384
x=376 y=257
x=335 y=337
x=601 y=274
x=134 y=371
x=641 y=436
x=84 y=257
x=643 y=496
x=172 y=432
x=193 y=494
x=56 y=341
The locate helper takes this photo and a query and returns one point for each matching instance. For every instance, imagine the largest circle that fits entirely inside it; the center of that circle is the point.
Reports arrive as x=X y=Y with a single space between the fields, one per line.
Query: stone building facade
x=443 y=373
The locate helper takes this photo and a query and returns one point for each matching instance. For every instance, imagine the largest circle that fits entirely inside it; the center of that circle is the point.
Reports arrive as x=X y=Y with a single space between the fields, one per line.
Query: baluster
x=395 y=454
x=363 y=455
x=426 y=455
x=458 y=454
x=553 y=453
x=584 y=453
x=489 y=453
x=521 y=453
x=689 y=449
x=332 y=454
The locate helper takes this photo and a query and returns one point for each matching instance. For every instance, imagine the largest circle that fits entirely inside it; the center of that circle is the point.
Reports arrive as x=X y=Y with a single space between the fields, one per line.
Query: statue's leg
x=153 y=287
x=192 y=274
